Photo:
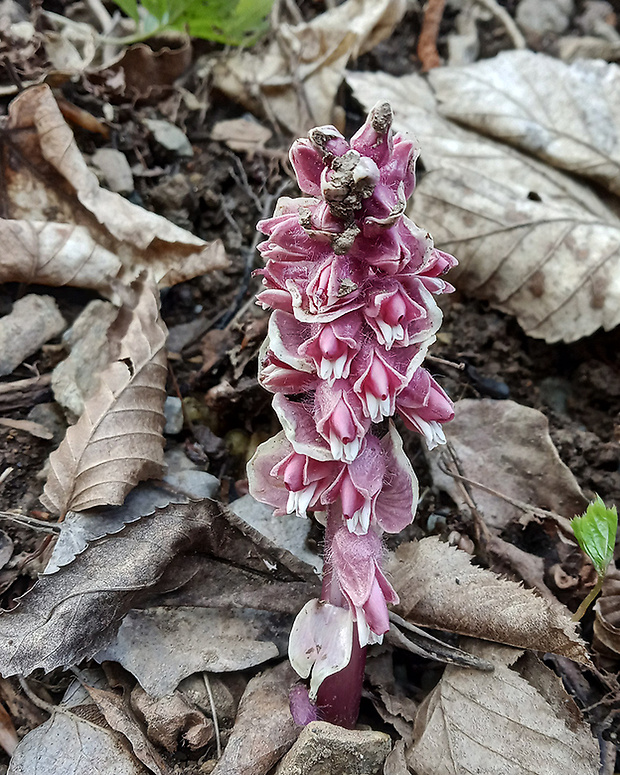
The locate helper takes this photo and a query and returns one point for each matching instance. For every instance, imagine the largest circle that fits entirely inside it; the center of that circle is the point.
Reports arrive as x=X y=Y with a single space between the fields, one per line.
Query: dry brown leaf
x=118 y=439
x=121 y=719
x=607 y=610
x=568 y=115
x=510 y=721
x=522 y=463
x=296 y=79
x=440 y=588
x=264 y=729
x=63 y=229
x=241 y=134
x=530 y=239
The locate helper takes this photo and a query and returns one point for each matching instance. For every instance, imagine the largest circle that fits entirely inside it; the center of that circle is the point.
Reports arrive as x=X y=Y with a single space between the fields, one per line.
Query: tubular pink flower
x=351 y=280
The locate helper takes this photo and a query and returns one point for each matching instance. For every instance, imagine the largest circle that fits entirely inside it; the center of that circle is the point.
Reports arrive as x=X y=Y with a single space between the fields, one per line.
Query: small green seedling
x=595 y=531
x=231 y=22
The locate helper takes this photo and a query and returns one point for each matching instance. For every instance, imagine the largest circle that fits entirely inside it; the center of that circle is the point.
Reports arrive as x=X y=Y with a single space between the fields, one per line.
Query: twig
x=35 y=699
x=585 y=603
x=5 y=474
x=502 y=15
x=216 y=726
x=101 y=14
x=427 y=42
x=31 y=522
x=452 y=364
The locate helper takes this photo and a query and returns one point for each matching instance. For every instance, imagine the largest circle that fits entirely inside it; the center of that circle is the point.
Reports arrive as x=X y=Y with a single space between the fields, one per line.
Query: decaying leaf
x=296 y=79
x=118 y=440
x=53 y=624
x=440 y=588
x=510 y=721
x=162 y=646
x=530 y=239
x=172 y=720
x=120 y=717
x=522 y=463
x=568 y=115
x=264 y=729
x=94 y=235
x=66 y=744
x=607 y=610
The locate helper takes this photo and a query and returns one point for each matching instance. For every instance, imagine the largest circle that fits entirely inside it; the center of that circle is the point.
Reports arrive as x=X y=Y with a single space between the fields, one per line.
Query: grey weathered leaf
x=162 y=646
x=118 y=439
x=264 y=729
x=74 y=613
x=504 y=721
x=568 y=115
x=529 y=238
x=68 y=745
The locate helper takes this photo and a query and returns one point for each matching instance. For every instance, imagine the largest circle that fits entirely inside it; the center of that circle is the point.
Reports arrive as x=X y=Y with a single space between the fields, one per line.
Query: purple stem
x=339 y=695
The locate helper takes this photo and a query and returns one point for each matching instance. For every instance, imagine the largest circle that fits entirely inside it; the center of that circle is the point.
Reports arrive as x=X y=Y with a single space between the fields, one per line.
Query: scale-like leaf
x=118 y=440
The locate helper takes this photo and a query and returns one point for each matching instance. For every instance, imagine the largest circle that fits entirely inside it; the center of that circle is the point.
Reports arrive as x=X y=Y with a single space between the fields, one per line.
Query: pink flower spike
x=374 y=138
x=390 y=311
x=377 y=387
x=334 y=346
x=340 y=420
x=425 y=406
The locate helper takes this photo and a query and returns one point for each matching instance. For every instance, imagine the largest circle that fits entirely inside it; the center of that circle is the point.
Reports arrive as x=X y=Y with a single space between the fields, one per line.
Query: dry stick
x=427 y=42
x=35 y=524
x=502 y=15
x=216 y=726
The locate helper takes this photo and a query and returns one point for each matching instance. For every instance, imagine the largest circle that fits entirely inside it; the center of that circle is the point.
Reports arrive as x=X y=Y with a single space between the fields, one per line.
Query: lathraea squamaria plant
x=351 y=281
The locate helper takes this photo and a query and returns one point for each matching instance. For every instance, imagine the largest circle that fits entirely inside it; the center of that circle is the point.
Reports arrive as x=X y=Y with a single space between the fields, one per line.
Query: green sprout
x=231 y=22
x=595 y=531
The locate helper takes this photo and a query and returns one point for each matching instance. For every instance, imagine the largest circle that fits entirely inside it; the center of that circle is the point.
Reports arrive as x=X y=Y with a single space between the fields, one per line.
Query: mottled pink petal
x=320 y=642
x=300 y=428
x=263 y=486
x=354 y=560
x=340 y=420
x=396 y=504
x=308 y=164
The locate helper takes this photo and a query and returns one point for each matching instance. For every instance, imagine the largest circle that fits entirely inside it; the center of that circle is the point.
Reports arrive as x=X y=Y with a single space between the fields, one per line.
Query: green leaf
x=595 y=531
x=231 y=22
x=222 y=21
x=129 y=7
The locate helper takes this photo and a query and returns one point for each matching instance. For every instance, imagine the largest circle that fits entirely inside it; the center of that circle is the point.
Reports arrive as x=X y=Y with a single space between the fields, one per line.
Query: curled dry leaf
x=264 y=729
x=65 y=742
x=72 y=614
x=607 y=610
x=295 y=80
x=568 y=115
x=531 y=240
x=120 y=717
x=440 y=588
x=522 y=463
x=118 y=440
x=516 y=719
x=95 y=235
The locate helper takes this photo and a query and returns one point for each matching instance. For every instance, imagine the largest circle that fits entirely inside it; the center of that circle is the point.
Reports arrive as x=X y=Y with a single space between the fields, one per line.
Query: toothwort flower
x=351 y=280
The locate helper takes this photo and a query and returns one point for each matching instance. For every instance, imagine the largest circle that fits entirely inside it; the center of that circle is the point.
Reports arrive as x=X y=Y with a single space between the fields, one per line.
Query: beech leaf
x=531 y=240
x=94 y=235
x=65 y=743
x=566 y=114
x=522 y=464
x=513 y=720
x=440 y=588
x=72 y=614
x=595 y=531
x=118 y=439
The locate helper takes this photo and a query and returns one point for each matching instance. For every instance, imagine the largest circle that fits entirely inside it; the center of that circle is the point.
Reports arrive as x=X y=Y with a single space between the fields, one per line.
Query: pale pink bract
x=351 y=280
